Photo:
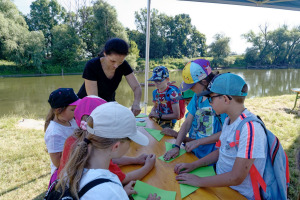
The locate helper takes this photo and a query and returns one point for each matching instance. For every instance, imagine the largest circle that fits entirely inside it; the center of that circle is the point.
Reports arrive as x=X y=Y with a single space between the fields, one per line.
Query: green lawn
x=24 y=163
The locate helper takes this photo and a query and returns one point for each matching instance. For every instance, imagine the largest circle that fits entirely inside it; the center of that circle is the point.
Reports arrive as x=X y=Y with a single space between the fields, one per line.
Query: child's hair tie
x=87 y=141
x=83 y=125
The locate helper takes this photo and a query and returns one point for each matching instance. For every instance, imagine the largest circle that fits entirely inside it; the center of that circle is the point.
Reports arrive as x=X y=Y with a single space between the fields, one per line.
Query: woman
x=103 y=74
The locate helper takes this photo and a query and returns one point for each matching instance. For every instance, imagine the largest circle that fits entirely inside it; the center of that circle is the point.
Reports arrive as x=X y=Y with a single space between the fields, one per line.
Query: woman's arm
x=91 y=87
x=137 y=90
x=55 y=158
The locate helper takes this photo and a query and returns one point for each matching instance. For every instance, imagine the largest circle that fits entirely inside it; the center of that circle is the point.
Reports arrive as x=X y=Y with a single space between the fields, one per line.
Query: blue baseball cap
x=227 y=84
x=160 y=73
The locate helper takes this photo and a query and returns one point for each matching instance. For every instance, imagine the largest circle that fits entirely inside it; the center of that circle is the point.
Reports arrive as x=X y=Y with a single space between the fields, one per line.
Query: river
x=28 y=95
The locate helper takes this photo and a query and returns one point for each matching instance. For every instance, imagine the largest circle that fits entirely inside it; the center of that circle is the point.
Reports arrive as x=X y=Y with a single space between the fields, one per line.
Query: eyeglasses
x=210 y=99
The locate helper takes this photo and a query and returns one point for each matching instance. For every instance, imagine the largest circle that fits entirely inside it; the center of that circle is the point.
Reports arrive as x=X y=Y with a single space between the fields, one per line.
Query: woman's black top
x=106 y=87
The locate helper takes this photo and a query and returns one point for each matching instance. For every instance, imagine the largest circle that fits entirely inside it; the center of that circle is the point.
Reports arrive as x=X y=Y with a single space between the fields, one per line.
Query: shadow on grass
x=21 y=185
x=290 y=111
x=40 y=196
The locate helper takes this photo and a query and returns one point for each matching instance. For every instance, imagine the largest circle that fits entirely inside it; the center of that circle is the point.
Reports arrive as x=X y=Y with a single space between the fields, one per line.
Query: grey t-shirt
x=252 y=145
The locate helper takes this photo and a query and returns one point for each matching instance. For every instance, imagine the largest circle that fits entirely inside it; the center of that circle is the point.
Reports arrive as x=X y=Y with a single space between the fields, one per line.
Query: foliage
x=220 y=50
x=67 y=46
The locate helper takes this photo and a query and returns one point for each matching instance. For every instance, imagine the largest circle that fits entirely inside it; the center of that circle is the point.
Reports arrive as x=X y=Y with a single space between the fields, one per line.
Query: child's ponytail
x=50 y=116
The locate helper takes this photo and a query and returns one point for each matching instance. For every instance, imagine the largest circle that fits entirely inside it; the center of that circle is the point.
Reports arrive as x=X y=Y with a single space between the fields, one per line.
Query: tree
x=220 y=50
x=44 y=15
x=67 y=46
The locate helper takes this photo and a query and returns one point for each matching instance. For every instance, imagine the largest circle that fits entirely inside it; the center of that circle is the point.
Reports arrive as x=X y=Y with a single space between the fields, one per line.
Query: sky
x=209 y=18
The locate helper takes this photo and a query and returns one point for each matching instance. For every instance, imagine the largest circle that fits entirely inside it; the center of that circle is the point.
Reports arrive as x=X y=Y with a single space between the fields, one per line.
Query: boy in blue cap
x=226 y=93
x=166 y=107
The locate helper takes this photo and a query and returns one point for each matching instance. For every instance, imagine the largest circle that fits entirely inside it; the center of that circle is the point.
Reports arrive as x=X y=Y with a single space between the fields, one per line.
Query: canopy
x=278 y=4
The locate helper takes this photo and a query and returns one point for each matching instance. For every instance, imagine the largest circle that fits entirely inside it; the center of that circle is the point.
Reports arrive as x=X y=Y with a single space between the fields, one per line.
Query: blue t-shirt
x=205 y=123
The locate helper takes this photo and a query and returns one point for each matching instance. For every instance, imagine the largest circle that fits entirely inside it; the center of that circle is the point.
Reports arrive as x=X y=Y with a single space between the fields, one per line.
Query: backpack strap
x=92 y=184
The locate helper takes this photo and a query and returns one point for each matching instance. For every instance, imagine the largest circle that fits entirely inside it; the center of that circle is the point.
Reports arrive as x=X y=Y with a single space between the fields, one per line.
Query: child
x=59 y=124
x=82 y=112
x=166 y=107
x=187 y=96
x=197 y=75
x=227 y=94
x=110 y=127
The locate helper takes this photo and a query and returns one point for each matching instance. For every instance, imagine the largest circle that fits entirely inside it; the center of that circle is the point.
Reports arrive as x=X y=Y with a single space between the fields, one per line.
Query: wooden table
x=162 y=175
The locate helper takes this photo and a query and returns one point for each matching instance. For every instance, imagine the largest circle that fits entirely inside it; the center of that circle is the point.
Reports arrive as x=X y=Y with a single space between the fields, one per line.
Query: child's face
x=215 y=100
x=68 y=113
x=161 y=84
x=198 y=88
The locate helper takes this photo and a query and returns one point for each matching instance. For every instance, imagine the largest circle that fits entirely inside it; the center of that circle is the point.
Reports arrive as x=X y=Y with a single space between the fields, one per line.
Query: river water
x=29 y=95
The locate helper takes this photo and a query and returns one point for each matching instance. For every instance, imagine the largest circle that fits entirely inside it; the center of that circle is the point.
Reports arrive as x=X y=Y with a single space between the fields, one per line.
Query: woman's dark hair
x=115 y=45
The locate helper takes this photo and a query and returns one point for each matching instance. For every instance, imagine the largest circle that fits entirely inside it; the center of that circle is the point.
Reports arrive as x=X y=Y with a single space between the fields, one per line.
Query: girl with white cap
x=110 y=127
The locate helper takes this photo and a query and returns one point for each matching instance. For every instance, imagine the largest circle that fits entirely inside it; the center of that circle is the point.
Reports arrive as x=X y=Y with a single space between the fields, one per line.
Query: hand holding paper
x=168 y=148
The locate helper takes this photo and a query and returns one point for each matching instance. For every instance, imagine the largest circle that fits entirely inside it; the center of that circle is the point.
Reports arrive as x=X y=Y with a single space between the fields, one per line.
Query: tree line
x=52 y=35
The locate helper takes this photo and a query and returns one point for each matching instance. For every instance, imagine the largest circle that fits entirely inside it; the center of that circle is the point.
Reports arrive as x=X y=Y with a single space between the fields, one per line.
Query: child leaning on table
x=227 y=93
x=82 y=112
x=60 y=123
x=166 y=107
x=110 y=129
x=202 y=119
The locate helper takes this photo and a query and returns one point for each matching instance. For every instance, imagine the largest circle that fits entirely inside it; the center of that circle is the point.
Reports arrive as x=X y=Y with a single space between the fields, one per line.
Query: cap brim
x=179 y=98
x=140 y=138
x=75 y=103
x=205 y=93
x=184 y=86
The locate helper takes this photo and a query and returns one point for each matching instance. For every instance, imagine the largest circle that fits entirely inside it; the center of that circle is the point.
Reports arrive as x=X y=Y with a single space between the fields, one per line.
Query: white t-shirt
x=252 y=144
x=108 y=190
x=55 y=137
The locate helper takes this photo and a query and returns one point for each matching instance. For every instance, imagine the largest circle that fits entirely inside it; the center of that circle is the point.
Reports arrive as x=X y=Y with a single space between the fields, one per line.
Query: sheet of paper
x=185 y=190
x=144 y=189
x=141 y=116
x=141 y=124
x=155 y=133
x=168 y=148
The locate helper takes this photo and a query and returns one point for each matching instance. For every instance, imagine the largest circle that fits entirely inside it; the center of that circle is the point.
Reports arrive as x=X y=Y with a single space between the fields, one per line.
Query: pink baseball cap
x=86 y=106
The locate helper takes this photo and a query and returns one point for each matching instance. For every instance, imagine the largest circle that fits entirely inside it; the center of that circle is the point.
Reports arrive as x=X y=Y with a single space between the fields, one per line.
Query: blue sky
x=208 y=18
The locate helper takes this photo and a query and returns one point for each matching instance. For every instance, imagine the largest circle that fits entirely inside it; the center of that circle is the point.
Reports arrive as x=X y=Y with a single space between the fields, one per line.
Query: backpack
x=181 y=102
x=275 y=181
x=53 y=194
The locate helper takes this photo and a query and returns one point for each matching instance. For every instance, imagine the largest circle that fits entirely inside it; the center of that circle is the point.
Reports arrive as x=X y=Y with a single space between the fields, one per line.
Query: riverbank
x=25 y=169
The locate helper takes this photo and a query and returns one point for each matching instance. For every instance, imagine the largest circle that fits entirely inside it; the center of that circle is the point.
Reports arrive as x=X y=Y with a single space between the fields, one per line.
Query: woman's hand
x=153 y=197
x=173 y=153
x=129 y=188
x=136 y=109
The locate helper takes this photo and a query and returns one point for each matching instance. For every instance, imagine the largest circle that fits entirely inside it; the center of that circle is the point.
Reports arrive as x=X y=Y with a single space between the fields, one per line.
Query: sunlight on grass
x=25 y=168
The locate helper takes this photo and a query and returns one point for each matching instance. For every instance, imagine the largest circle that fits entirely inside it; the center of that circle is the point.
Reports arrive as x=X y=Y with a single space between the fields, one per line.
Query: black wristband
x=175 y=145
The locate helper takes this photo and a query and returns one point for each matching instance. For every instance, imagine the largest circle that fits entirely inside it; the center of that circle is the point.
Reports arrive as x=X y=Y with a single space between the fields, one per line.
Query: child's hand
x=189 y=146
x=141 y=159
x=189 y=179
x=183 y=168
x=153 y=197
x=129 y=188
x=154 y=114
x=150 y=161
x=170 y=132
x=173 y=153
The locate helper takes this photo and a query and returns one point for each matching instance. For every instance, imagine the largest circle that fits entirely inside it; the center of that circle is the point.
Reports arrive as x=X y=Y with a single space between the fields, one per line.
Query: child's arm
x=207 y=140
x=181 y=135
x=174 y=115
x=207 y=160
x=55 y=158
x=126 y=160
x=153 y=113
x=143 y=171
x=239 y=172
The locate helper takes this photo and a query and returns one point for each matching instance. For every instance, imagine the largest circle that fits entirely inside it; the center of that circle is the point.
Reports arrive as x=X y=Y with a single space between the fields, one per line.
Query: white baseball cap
x=112 y=120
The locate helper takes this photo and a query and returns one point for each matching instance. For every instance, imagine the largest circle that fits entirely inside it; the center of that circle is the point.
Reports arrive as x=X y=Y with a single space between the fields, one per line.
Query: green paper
x=185 y=190
x=155 y=133
x=144 y=189
x=141 y=123
x=141 y=116
x=168 y=148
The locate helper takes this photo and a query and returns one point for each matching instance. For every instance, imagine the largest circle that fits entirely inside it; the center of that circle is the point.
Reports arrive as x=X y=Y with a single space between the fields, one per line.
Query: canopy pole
x=147 y=57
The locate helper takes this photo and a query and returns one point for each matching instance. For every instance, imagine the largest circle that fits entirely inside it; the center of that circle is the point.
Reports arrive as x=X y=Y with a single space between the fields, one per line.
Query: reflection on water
x=29 y=95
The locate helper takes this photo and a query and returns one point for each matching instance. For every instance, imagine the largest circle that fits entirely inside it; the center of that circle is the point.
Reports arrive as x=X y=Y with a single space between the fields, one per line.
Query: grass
x=24 y=163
